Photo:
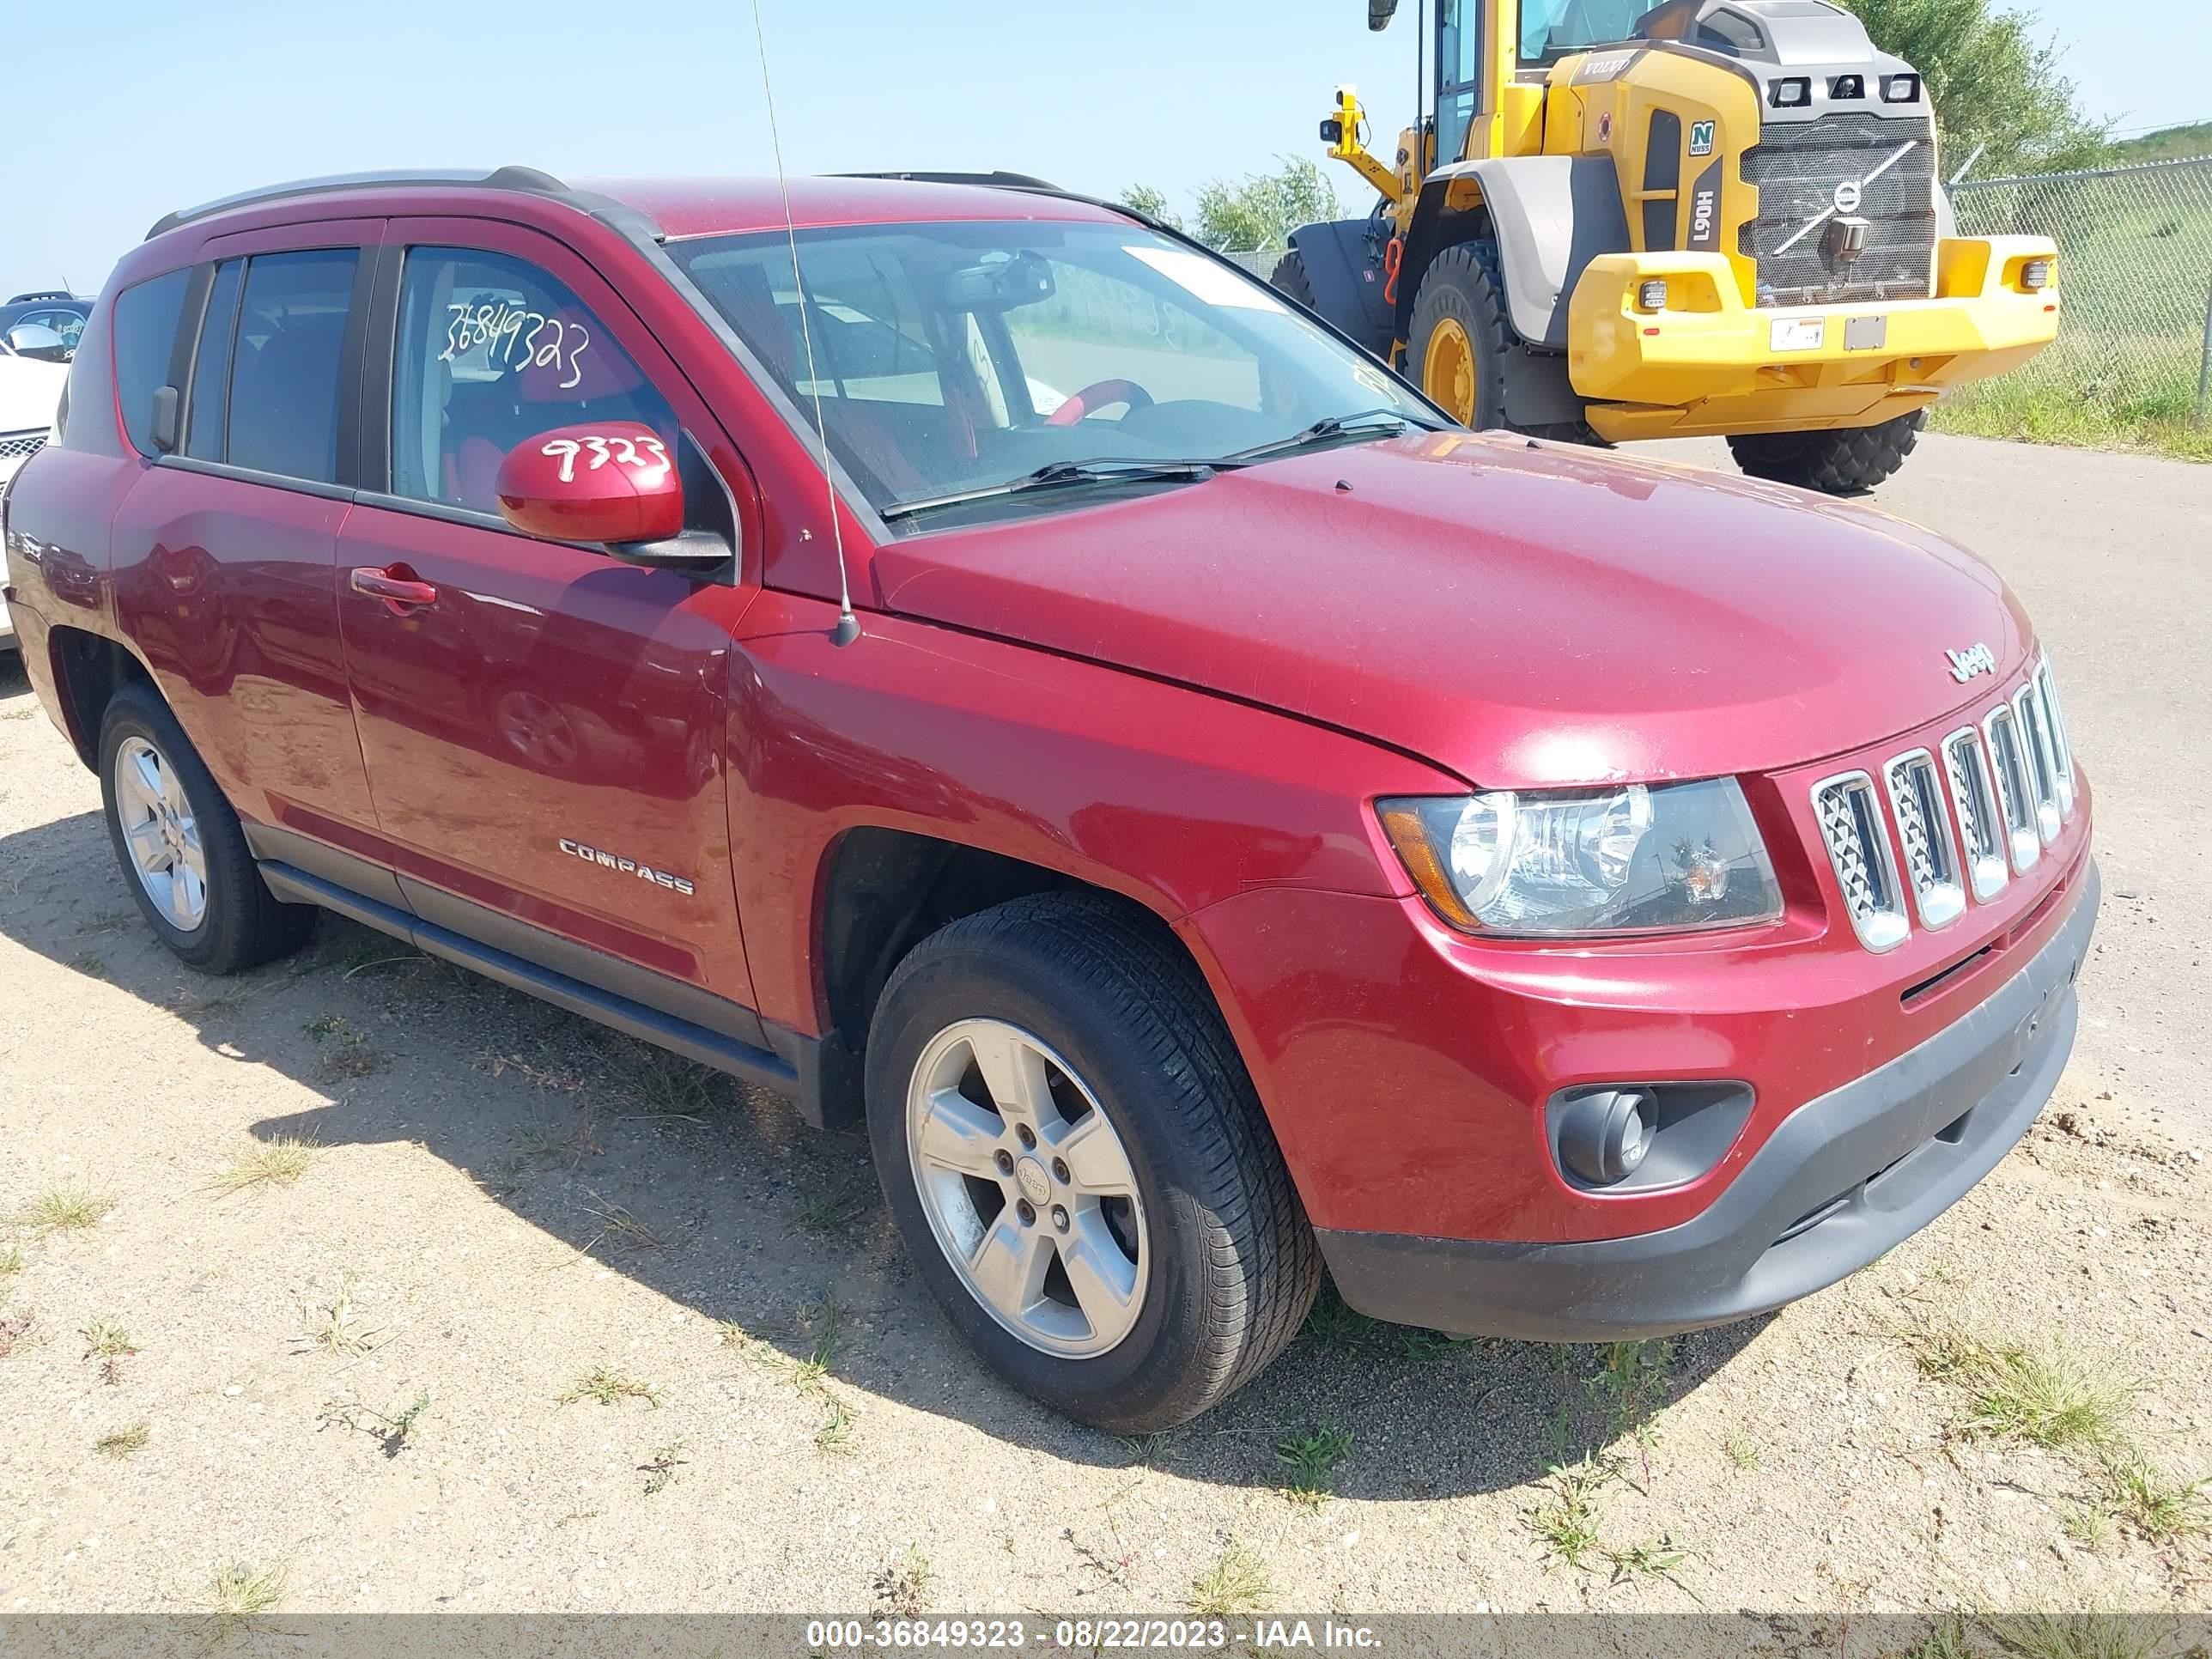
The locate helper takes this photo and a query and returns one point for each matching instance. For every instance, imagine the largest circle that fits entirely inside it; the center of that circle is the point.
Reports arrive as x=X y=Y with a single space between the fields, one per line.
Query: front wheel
x=1072 y=1149
x=1849 y=461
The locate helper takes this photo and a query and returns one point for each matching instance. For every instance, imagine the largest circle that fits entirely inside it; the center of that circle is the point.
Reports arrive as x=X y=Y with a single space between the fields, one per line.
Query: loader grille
x=1797 y=167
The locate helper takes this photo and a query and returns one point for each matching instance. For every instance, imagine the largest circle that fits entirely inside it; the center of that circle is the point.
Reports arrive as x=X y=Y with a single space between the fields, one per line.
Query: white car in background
x=30 y=393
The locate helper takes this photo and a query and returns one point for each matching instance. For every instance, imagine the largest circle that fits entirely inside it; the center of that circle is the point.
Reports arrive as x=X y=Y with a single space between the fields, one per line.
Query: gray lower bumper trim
x=1877 y=1159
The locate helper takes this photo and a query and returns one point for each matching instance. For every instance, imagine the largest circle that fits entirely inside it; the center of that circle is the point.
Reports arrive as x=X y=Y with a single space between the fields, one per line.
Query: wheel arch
x=881 y=888
x=89 y=669
x=1550 y=216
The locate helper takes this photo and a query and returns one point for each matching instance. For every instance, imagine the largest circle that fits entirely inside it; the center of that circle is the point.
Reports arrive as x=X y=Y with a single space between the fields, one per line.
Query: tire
x=1291 y=279
x=238 y=923
x=1463 y=298
x=1225 y=1266
x=1846 y=462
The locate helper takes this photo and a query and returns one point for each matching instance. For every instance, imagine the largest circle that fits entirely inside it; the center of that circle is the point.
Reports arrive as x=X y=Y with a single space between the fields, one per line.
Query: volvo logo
x=1847 y=196
x=1976 y=659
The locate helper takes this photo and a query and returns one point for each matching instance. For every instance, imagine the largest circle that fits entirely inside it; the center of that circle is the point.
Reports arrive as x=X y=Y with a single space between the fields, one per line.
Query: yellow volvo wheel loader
x=1611 y=220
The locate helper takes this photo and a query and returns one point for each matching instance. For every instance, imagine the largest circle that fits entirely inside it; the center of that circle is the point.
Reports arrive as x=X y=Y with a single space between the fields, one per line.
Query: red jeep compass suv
x=1241 y=825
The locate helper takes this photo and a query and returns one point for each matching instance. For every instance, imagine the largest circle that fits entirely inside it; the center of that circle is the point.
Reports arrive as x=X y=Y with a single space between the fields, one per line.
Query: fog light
x=1604 y=1136
x=1651 y=295
x=1793 y=93
x=2035 y=274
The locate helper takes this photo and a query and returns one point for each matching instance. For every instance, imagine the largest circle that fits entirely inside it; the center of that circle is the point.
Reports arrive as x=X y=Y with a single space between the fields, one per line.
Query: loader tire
x=1848 y=462
x=1291 y=279
x=1460 y=347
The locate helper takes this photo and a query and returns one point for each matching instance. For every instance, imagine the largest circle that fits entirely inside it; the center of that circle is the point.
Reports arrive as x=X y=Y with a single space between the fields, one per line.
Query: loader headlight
x=1792 y=92
x=1900 y=89
x=1651 y=294
x=2035 y=274
x=1637 y=859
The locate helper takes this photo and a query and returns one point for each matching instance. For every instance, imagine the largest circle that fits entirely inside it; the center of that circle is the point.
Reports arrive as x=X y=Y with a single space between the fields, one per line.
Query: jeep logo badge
x=1974 y=659
x=1701 y=138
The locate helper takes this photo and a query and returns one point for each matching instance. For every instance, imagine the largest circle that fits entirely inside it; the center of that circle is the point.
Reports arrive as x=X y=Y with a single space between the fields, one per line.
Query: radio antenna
x=849 y=625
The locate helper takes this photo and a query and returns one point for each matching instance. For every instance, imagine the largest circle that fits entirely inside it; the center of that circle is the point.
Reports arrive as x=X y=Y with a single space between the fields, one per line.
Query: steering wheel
x=1100 y=394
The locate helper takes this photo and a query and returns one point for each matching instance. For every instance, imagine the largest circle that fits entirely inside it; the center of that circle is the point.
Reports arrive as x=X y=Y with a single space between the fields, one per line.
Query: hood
x=1520 y=614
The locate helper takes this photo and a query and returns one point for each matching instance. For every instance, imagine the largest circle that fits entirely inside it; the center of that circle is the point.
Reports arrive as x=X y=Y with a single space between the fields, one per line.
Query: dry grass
x=1238 y=1583
x=240 y=1590
x=610 y=1388
x=333 y=1327
x=2159 y=1505
x=618 y=1226
x=903 y=1587
x=64 y=1210
x=662 y=1465
x=2048 y=1396
x=119 y=1443
x=346 y=1055
x=274 y=1163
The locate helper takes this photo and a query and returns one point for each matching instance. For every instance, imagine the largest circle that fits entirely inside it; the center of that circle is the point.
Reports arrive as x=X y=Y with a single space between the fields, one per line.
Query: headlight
x=1636 y=860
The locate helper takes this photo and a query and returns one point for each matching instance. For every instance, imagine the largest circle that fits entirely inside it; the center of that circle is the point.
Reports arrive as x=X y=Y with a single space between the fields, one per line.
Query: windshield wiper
x=1059 y=475
x=1337 y=426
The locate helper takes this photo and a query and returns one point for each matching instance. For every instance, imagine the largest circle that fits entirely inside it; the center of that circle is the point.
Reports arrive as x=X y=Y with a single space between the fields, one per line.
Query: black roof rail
x=529 y=179
x=989 y=181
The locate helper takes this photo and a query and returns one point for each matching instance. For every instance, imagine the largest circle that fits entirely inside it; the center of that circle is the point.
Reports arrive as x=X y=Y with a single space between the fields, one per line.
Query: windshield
x=1549 y=29
x=952 y=358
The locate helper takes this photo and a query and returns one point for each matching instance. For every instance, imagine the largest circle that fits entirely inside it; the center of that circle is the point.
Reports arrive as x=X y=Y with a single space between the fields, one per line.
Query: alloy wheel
x=162 y=833
x=1028 y=1187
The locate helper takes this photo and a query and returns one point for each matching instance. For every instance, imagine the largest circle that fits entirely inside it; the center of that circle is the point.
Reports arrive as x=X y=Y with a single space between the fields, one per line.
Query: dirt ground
x=538 y=1319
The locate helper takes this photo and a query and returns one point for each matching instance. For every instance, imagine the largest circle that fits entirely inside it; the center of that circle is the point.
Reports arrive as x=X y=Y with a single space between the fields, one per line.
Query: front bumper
x=1709 y=363
x=1845 y=1178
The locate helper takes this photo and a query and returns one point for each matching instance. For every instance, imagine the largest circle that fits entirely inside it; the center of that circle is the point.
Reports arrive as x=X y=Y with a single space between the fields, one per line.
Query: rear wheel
x=1068 y=1140
x=1846 y=462
x=182 y=850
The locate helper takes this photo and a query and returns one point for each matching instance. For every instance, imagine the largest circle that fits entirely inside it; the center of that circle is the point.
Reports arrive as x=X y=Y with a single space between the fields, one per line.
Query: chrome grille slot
x=2042 y=762
x=2061 y=751
x=1859 y=849
x=1923 y=829
x=1973 y=798
x=2010 y=765
x=22 y=444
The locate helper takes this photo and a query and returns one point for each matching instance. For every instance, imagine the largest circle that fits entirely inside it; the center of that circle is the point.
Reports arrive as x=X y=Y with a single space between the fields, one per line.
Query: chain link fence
x=2134 y=267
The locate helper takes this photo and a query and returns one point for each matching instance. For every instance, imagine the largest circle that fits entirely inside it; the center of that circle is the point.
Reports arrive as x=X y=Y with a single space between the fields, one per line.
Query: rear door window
x=492 y=350
x=146 y=317
x=211 y=365
x=288 y=363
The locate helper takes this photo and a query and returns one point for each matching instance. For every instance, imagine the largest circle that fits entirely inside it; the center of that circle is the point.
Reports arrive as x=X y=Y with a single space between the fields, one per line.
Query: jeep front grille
x=1931 y=857
x=1797 y=167
x=1958 y=826
x=1858 y=846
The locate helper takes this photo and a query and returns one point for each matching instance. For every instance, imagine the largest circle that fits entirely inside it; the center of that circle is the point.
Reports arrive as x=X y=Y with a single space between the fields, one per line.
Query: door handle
x=396 y=585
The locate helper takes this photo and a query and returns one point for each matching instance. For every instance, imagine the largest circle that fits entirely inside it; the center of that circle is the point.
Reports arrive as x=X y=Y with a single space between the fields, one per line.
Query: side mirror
x=1380 y=12
x=37 y=340
x=613 y=484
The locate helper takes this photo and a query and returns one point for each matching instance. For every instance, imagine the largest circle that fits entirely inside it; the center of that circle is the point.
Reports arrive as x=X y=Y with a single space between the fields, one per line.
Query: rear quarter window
x=145 y=323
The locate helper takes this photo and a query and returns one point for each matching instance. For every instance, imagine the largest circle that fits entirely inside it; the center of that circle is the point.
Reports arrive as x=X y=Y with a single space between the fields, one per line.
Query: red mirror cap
x=612 y=481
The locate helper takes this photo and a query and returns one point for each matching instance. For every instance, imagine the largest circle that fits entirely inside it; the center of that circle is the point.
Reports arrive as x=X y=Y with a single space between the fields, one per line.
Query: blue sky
x=168 y=105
